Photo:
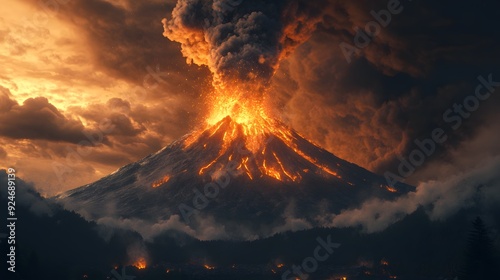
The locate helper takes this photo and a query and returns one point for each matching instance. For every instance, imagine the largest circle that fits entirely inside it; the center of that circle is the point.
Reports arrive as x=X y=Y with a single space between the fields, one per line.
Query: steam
x=26 y=196
x=206 y=227
x=241 y=41
x=478 y=187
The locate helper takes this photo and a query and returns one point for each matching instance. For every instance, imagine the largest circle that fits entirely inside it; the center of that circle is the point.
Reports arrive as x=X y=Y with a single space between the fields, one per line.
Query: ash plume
x=241 y=41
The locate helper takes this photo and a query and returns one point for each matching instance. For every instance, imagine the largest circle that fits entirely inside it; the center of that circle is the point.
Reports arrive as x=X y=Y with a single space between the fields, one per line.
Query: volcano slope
x=251 y=181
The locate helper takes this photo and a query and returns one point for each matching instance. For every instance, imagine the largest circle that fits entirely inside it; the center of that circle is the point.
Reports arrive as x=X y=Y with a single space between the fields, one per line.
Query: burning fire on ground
x=140 y=263
x=208 y=267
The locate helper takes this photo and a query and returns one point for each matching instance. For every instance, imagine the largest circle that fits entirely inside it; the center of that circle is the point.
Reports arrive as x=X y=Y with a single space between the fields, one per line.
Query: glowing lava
x=254 y=140
x=160 y=182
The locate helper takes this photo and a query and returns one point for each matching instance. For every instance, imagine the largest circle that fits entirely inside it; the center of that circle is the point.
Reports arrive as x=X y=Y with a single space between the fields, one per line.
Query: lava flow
x=257 y=142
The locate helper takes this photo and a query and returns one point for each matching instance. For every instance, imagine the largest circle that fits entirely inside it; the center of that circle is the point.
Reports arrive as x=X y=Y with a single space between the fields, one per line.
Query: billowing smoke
x=241 y=41
x=478 y=188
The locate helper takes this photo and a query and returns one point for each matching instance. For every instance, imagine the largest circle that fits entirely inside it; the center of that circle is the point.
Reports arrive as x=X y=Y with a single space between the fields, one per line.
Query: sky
x=88 y=86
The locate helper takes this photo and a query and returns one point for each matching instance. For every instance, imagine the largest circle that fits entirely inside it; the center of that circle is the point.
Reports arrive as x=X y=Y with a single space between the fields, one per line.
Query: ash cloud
x=241 y=40
x=397 y=88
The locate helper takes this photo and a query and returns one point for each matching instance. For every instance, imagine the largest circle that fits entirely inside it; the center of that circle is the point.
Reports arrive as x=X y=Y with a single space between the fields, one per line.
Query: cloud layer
x=36 y=118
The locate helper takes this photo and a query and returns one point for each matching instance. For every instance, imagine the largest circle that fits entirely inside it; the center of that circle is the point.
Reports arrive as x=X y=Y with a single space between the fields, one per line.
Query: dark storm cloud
x=130 y=120
x=395 y=89
x=138 y=129
x=36 y=118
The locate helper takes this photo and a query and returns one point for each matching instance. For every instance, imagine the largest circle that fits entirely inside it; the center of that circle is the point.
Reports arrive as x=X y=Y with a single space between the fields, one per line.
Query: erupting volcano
x=242 y=170
x=247 y=173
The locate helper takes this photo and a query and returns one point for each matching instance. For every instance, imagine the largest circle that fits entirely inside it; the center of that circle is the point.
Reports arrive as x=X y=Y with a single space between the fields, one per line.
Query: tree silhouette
x=479 y=255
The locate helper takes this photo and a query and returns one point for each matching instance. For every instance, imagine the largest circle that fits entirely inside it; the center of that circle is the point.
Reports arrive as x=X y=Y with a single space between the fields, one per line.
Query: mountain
x=252 y=179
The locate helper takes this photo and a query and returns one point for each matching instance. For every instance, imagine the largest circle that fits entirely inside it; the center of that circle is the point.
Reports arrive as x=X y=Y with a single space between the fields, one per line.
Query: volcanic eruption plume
x=242 y=43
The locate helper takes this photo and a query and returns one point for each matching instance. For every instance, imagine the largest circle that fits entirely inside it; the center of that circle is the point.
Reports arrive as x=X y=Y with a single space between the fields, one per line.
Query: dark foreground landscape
x=62 y=245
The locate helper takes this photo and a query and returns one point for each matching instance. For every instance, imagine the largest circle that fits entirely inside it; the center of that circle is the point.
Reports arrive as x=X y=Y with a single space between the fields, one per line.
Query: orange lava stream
x=160 y=182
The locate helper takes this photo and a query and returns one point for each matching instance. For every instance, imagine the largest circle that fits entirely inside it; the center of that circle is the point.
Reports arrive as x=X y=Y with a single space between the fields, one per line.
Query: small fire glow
x=160 y=182
x=206 y=266
x=391 y=189
x=140 y=263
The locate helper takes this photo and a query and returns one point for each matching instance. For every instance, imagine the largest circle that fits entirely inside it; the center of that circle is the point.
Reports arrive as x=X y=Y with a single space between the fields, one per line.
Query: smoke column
x=241 y=41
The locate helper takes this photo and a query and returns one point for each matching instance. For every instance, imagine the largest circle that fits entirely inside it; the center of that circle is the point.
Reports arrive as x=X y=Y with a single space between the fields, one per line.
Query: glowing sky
x=70 y=65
